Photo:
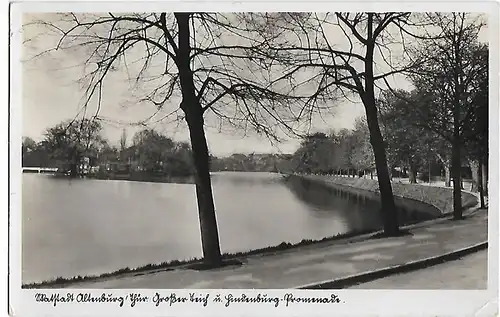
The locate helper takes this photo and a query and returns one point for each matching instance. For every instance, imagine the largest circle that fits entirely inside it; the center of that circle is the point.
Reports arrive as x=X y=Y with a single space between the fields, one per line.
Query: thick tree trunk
x=476 y=171
x=456 y=173
x=206 y=208
x=390 y=214
x=391 y=224
x=194 y=118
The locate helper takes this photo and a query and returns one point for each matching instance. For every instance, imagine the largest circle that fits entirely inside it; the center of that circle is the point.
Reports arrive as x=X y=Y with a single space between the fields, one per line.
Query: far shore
x=123 y=177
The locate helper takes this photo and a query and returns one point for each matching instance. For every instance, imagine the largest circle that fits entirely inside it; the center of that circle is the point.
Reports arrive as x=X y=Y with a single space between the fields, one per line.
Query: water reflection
x=362 y=209
x=357 y=212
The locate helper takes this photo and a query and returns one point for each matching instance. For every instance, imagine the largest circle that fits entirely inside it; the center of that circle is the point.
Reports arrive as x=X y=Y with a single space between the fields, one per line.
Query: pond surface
x=80 y=227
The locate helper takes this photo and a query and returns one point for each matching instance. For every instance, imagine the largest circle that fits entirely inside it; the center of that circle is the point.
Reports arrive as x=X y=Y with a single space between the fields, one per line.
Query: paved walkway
x=319 y=262
x=469 y=272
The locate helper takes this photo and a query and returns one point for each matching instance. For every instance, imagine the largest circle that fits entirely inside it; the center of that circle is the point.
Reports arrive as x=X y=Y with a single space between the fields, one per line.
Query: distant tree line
x=273 y=163
x=346 y=152
x=78 y=147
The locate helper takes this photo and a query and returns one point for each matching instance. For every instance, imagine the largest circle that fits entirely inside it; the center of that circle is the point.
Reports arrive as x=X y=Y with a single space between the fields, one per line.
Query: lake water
x=80 y=227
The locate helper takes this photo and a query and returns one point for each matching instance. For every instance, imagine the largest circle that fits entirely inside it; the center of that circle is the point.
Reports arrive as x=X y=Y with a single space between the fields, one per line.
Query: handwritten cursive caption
x=171 y=299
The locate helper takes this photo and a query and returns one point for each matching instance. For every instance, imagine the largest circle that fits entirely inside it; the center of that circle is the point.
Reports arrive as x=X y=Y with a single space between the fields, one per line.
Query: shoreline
x=265 y=251
x=123 y=177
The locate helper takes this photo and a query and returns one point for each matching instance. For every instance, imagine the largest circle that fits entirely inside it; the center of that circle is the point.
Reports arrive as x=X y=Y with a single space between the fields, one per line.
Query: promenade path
x=318 y=262
x=469 y=272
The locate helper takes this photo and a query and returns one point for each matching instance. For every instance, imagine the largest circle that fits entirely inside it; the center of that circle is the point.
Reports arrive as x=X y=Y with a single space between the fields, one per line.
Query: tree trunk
x=391 y=224
x=412 y=174
x=456 y=169
x=447 y=176
x=371 y=174
x=476 y=170
x=480 y=184
x=194 y=117
x=446 y=167
x=456 y=166
x=484 y=174
x=206 y=208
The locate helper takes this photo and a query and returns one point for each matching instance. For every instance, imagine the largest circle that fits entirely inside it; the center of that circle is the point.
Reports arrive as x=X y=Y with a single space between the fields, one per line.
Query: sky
x=49 y=98
x=51 y=94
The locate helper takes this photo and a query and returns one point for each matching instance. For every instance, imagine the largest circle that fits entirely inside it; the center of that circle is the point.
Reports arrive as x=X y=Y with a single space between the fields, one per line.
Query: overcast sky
x=50 y=94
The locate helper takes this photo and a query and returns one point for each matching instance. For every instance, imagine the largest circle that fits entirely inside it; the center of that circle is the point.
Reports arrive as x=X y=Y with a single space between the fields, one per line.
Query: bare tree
x=344 y=54
x=198 y=62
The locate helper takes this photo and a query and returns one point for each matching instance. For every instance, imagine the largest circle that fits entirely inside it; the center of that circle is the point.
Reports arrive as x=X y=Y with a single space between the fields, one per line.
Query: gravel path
x=470 y=272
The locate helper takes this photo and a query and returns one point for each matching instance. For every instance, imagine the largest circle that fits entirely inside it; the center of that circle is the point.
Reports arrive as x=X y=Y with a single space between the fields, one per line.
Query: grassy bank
x=441 y=198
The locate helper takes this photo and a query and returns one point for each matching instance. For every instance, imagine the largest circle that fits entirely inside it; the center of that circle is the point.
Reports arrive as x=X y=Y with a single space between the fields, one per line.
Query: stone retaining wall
x=439 y=197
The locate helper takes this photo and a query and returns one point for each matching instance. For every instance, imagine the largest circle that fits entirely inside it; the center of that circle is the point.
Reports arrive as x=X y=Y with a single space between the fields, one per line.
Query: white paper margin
x=354 y=302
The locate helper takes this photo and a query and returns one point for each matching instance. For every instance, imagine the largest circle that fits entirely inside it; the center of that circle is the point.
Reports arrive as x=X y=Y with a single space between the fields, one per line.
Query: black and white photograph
x=317 y=151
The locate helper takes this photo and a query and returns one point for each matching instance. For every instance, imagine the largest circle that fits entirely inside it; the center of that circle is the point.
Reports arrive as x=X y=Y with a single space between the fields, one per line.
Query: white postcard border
x=354 y=302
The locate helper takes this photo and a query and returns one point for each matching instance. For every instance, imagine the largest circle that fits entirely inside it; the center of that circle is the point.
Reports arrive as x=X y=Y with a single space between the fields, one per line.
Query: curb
x=368 y=276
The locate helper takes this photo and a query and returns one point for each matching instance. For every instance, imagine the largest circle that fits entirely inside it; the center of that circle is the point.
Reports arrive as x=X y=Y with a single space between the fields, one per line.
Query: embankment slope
x=439 y=197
